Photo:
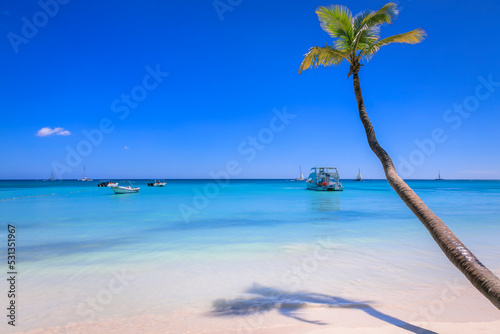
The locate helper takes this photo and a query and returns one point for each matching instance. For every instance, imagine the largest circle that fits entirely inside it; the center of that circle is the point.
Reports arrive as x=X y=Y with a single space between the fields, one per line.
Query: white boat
x=52 y=178
x=158 y=183
x=359 y=177
x=108 y=184
x=324 y=179
x=84 y=177
x=301 y=178
x=123 y=189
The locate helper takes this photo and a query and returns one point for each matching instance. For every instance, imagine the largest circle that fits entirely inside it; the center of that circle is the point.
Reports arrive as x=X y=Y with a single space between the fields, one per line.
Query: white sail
x=301 y=178
x=52 y=178
x=359 y=177
x=85 y=178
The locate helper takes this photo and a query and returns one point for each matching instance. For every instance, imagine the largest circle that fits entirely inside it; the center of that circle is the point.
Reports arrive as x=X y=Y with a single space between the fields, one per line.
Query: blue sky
x=182 y=92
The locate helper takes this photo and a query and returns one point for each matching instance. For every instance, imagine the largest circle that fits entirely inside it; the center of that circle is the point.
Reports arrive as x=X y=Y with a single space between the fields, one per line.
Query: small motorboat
x=108 y=184
x=125 y=189
x=324 y=179
x=158 y=183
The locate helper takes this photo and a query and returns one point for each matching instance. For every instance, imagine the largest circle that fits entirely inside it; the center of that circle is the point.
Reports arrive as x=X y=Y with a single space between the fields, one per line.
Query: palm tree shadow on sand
x=289 y=303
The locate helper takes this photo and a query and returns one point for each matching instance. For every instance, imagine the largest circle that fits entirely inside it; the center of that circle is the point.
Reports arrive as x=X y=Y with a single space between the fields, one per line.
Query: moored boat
x=84 y=177
x=108 y=184
x=301 y=177
x=158 y=183
x=125 y=189
x=324 y=179
x=359 y=177
x=52 y=178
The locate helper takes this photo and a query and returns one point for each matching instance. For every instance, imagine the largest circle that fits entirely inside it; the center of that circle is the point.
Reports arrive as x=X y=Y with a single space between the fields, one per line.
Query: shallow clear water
x=184 y=246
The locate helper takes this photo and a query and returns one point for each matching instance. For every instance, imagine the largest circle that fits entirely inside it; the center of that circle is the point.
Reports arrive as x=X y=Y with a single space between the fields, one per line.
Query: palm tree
x=357 y=38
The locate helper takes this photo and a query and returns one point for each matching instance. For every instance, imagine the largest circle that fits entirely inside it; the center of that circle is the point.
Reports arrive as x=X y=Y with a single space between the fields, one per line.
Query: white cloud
x=125 y=147
x=44 y=132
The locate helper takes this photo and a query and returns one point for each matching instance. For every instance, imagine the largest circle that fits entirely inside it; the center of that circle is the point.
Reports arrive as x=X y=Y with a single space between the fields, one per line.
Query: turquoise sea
x=84 y=254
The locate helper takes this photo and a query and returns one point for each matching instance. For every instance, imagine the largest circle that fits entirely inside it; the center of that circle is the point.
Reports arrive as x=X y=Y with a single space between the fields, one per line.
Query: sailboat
x=359 y=177
x=52 y=178
x=301 y=178
x=84 y=177
x=439 y=176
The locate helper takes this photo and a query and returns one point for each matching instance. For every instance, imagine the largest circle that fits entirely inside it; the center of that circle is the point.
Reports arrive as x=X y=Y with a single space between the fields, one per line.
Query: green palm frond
x=370 y=20
x=359 y=18
x=365 y=38
x=343 y=43
x=410 y=37
x=384 y=15
x=337 y=21
x=355 y=37
x=325 y=55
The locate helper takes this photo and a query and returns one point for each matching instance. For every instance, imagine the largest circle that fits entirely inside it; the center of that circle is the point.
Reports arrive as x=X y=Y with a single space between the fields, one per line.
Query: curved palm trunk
x=482 y=278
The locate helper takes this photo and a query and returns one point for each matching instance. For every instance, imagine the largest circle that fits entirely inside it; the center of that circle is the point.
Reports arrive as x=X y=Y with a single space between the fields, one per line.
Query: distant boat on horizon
x=301 y=177
x=84 y=177
x=157 y=183
x=439 y=176
x=52 y=178
x=359 y=177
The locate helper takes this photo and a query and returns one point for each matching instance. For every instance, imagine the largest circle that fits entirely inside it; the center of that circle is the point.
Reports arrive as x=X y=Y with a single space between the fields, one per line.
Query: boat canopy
x=329 y=172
